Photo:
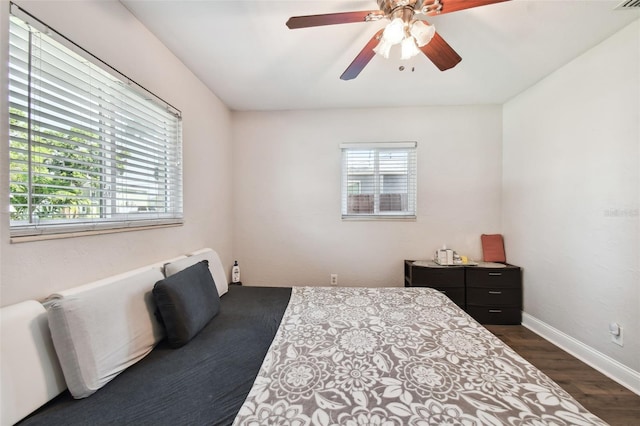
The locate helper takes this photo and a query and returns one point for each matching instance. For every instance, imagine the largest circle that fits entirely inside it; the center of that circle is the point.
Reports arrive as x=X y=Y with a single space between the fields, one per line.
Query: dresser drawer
x=496 y=315
x=494 y=296
x=451 y=276
x=493 y=277
x=456 y=294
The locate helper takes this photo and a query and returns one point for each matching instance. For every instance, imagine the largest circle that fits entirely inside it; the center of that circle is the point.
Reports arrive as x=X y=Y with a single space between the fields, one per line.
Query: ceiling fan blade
x=333 y=18
x=362 y=59
x=440 y=53
x=449 y=6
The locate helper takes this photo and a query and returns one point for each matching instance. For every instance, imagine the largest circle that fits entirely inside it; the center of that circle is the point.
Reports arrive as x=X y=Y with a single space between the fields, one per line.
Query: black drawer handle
x=495 y=274
x=495 y=311
x=495 y=292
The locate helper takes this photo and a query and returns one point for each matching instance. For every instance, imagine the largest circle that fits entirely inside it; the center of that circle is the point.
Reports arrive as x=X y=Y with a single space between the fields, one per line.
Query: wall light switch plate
x=617 y=339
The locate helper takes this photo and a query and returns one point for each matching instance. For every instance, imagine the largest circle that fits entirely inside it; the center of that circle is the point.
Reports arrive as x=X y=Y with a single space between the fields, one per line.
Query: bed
x=328 y=356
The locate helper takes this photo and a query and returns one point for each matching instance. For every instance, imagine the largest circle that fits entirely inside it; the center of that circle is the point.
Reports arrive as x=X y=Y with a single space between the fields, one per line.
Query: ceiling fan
x=406 y=29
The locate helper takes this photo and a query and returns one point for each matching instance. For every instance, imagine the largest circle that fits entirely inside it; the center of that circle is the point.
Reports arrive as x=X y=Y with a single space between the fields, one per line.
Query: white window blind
x=379 y=180
x=89 y=149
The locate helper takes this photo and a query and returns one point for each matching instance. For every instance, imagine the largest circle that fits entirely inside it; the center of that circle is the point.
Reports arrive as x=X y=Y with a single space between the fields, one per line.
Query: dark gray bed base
x=202 y=383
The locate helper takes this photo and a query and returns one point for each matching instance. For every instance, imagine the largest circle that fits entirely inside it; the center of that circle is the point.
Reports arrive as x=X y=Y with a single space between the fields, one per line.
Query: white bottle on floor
x=235 y=273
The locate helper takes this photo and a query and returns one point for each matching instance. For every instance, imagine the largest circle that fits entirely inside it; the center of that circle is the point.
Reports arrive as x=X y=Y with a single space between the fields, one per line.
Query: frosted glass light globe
x=422 y=32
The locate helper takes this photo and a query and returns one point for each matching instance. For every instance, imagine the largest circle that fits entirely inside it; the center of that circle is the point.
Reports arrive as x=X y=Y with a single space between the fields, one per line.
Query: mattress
x=328 y=356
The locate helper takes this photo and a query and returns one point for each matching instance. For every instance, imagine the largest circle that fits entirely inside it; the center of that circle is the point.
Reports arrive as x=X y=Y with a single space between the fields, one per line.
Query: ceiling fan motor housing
x=405 y=9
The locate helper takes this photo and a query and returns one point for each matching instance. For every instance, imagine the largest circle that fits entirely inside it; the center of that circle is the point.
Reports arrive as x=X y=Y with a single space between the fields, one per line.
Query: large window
x=89 y=148
x=379 y=180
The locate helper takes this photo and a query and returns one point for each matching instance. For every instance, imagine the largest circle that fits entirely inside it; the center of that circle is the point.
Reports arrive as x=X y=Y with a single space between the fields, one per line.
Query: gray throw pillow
x=186 y=301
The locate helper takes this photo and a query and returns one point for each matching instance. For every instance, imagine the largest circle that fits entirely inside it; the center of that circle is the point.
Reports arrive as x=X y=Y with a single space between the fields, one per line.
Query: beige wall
x=287 y=225
x=35 y=269
x=571 y=188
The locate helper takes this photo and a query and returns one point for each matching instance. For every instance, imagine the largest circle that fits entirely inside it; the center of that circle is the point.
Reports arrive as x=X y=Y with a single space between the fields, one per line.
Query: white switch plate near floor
x=618 y=340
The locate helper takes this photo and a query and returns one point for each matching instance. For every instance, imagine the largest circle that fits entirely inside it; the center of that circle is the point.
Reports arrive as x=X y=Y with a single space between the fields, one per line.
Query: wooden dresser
x=491 y=295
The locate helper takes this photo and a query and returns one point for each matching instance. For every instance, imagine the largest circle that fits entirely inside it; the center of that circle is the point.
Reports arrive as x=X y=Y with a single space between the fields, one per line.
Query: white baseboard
x=606 y=365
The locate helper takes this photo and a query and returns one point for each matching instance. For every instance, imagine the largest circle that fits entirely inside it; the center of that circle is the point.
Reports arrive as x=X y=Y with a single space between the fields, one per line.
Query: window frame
x=164 y=166
x=374 y=195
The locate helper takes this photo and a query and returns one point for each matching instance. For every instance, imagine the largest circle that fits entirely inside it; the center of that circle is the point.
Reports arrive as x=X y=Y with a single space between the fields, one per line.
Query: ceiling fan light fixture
x=422 y=32
x=409 y=48
x=383 y=48
x=394 y=32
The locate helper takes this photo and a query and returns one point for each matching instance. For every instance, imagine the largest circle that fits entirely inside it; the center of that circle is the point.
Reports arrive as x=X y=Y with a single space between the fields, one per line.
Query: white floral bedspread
x=397 y=356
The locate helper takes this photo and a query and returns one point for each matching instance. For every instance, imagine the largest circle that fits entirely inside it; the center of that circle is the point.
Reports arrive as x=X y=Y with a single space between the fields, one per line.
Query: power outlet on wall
x=334 y=279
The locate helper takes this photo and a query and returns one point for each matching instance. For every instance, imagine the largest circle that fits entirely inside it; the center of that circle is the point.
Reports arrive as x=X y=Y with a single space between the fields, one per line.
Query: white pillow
x=31 y=374
x=215 y=266
x=100 y=330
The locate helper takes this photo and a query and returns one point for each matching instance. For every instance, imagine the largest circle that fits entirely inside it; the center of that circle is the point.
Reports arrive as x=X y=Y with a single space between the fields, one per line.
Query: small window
x=379 y=180
x=89 y=148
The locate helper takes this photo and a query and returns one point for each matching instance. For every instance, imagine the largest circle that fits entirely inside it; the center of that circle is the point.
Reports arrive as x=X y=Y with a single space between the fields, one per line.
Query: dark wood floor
x=605 y=398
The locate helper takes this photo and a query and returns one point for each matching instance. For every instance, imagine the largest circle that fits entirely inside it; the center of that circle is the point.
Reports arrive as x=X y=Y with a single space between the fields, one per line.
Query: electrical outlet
x=334 y=279
x=617 y=339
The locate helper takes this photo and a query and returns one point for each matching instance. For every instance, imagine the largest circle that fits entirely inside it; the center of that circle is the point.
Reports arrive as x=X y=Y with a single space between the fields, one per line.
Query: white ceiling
x=243 y=51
